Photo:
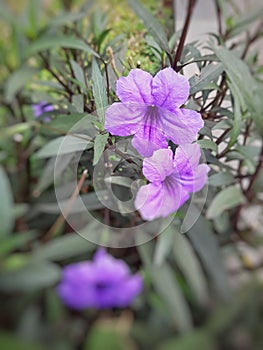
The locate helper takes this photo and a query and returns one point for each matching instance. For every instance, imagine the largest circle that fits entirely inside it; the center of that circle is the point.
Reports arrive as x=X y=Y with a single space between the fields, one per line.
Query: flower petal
x=187 y=157
x=123 y=119
x=160 y=165
x=188 y=172
x=148 y=139
x=169 y=89
x=136 y=87
x=158 y=200
x=181 y=126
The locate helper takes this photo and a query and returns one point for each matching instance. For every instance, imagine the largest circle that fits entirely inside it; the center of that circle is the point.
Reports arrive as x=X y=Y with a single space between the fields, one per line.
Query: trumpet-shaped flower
x=172 y=179
x=150 y=109
x=41 y=108
x=104 y=282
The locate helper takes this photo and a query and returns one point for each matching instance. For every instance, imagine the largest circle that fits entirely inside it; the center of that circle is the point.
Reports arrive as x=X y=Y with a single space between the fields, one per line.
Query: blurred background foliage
x=202 y=289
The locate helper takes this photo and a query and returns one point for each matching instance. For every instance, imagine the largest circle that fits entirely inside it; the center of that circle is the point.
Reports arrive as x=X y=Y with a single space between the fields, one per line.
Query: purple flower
x=172 y=179
x=103 y=283
x=150 y=110
x=41 y=108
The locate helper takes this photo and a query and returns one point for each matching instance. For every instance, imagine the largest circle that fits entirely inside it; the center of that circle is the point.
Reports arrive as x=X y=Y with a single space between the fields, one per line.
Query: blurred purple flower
x=103 y=283
x=150 y=110
x=41 y=108
x=172 y=179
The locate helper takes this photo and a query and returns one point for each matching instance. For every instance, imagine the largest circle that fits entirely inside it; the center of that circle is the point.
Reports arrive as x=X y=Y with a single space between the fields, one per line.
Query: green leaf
x=6 y=205
x=30 y=277
x=79 y=74
x=243 y=21
x=68 y=246
x=53 y=42
x=228 y=198
x=65 y=18
x=17 y=81
x=188 y=263
x=207 y=75
x=99 y=145
x=167 y=286
x=199 y=339
x=163 y=246
x=119 y=180
x=208 y=144
x=235 y=130
x=65 y=122
x=106 y=337
x=70 y=144
x=99 y=91
x=244 y=86
x=206 y=246
x=90 y=201
x=78 y=103
x=17 y=128
x=221 y=179
x=154 y=28
x=16 y=241
x=47 y=176
x=9 y=341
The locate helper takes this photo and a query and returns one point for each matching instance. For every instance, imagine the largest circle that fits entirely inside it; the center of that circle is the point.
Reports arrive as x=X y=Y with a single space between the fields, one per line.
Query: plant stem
x=179 y=51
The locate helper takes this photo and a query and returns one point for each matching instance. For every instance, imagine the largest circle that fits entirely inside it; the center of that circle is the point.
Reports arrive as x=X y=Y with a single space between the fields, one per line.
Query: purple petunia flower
x=172 y=179
x=150 y=110
x=103 y=283
x=41 y=108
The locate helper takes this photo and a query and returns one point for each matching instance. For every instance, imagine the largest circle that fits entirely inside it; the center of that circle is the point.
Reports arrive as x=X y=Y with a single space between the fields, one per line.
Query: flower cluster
x=151 y=110
x=103 y=283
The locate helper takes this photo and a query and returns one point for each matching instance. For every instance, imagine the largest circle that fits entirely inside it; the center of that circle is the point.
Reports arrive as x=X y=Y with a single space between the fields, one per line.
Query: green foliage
x=6 y=205
x=70 y=54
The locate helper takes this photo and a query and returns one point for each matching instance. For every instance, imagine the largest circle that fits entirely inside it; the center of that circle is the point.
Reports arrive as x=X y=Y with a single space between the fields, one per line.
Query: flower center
x=151 y=115
x=101 y=286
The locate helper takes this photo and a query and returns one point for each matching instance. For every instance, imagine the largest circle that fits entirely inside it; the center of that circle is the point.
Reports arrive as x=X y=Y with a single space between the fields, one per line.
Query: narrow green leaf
x=66 y=122
x=78 y=103
x=65 y=247
x=221 y=179
x=228 y=198
x=188 y=263
x=106 y=336
x=207 y=75
x=30 y=277
x=18 y=80
x=119 y=180
x=9 y=341
x=54 y=42
x=16 y=241
x=244 y=86
x=17 y=128
x=6 y=205
x=243 y=21
x=199 y=339
x=164 y=245
x=89 y=201
x=66 y=18
x=99 y=91
x=99 y=145
x=166 y=285
x=208 y=144
x=79 y=74
x=235 y=131
x=64 y=145
x=206 y=246
x=152 y=25
x=47 y=176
